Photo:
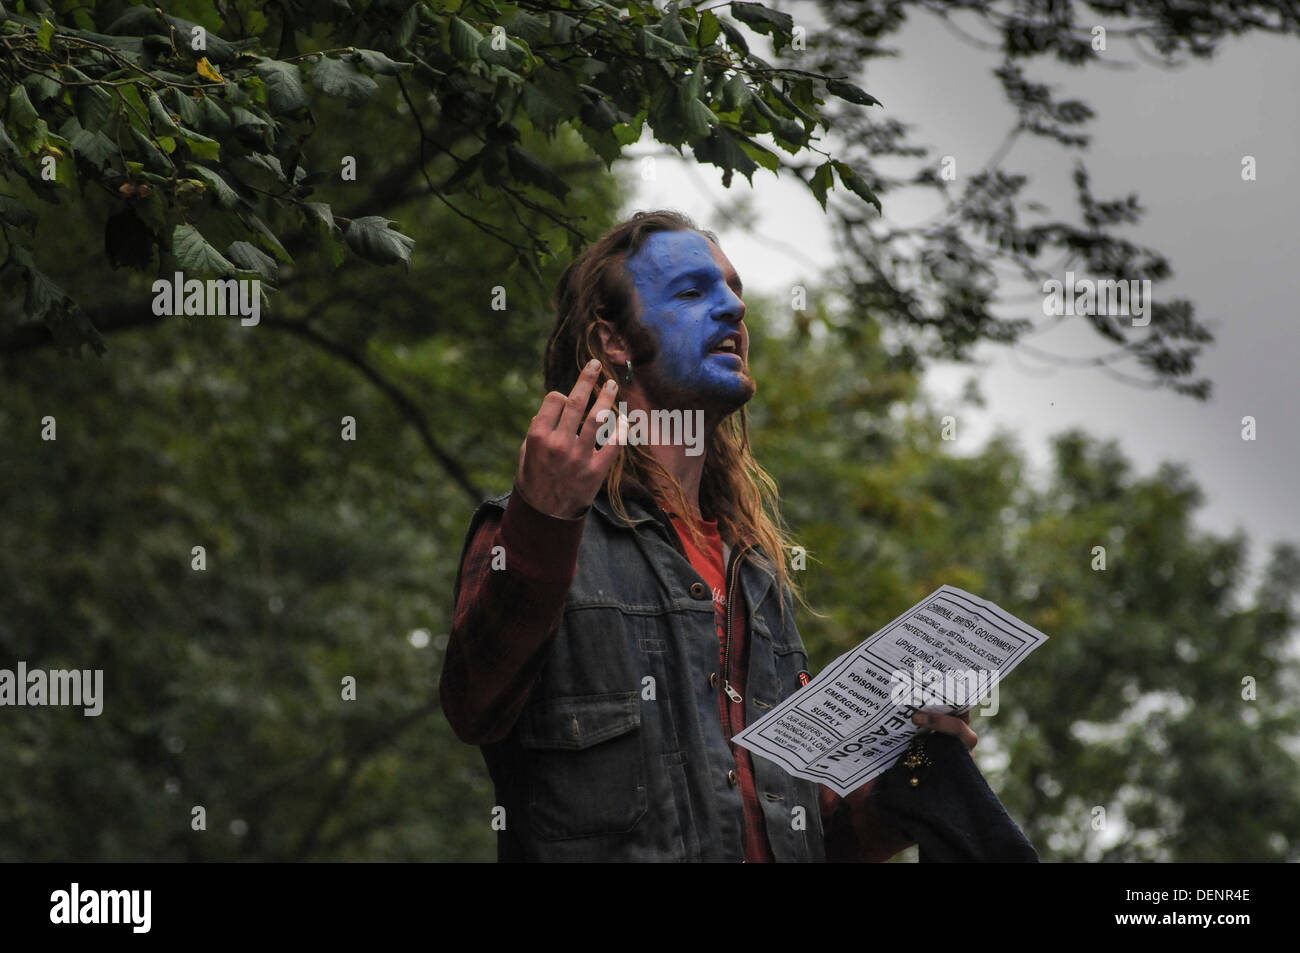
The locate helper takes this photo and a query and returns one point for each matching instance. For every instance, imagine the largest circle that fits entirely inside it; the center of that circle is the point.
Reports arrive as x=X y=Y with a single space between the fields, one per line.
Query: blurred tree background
x=328 y=558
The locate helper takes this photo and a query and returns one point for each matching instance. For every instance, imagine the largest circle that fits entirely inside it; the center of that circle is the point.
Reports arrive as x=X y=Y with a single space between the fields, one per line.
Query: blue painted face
x=689 y=307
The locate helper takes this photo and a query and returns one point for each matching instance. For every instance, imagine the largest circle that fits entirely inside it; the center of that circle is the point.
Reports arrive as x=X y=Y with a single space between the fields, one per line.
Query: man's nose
x=731 y=309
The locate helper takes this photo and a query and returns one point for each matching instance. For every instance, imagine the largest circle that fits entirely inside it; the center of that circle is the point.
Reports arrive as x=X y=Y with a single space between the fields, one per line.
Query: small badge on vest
x=804 y=678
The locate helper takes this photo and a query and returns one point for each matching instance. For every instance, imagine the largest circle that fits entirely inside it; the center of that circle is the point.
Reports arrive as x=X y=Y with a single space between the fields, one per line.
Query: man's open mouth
x=729 y=345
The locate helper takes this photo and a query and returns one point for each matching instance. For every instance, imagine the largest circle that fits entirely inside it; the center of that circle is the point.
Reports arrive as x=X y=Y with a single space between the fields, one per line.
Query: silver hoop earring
x=627 y=378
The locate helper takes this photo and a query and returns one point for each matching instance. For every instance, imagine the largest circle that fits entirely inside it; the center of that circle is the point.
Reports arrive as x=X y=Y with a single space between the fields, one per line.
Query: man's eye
x=688 y=293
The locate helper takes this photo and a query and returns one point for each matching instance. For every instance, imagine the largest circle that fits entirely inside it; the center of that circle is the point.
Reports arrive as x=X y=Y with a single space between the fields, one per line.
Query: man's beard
x=715 y=399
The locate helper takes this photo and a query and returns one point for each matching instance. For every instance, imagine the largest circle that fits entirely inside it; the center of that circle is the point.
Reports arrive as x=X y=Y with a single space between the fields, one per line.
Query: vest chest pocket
x=586 y=772
x=791 y=659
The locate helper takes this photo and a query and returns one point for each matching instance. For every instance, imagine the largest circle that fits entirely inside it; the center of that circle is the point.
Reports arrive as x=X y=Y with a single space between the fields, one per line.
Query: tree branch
x=399 y=398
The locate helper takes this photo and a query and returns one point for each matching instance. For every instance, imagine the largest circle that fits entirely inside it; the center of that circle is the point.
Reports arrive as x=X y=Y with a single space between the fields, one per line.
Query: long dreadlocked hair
x=734 y=488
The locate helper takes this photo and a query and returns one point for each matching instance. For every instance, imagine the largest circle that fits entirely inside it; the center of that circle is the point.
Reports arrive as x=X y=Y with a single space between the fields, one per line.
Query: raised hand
x=560 y=467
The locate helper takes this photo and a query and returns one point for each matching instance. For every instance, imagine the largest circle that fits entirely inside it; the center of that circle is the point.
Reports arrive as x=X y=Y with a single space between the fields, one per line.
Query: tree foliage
x=201 y=124
x=218 y=131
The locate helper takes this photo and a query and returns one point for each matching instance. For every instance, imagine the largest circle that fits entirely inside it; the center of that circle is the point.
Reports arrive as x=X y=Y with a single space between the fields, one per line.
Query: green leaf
x=853 y=94
x=464 y=39
x=670 y=26
x=284 y=90
x=735 y=94
x=267 y=236
x=252 y=258
x=21 y=111
x=44 y=34
x=248 y=123
x=723 y=150
x=94 y=104
x=822 y=180
x=629 y=133
x=321 y=214
x=337 y=77
x=654 y=46
x=405 y=32
x=528 y=27
x=709 y=28
x=551 y=97
x=216 y=121
x=854 y=183
x=527 y=168
x=7 y=144
x=381 y=64
x=760 y=19
x=222 y=192
x=41 y=86
x=373 y=239
x=765 y=157
x=790 y=131
x=94 y=147
x=600 y=115
x=163 y=122
x=218 y=50
x=201 y=146
x=782 y=98
x=697 y=118
x=604 y=143
x=43 y=295
x=196 y=257
x=186 y=106
x=512 y=54
x=152 y=155
x=734 y=37
x=562 y=27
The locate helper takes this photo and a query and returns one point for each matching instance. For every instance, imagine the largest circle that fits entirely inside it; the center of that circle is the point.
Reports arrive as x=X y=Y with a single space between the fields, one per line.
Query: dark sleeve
x=854 y=831
x=504 y=617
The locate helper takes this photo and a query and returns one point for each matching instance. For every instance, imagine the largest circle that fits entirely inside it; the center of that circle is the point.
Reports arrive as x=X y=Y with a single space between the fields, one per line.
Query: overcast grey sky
x=1176 y=137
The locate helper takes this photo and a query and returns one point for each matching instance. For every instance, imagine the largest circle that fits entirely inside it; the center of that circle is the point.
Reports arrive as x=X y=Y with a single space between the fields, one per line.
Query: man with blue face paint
x=689 y=296
x=626 y=610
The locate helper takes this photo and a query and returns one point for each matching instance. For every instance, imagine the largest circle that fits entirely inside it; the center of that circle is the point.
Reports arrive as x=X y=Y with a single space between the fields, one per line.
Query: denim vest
x=619 y=754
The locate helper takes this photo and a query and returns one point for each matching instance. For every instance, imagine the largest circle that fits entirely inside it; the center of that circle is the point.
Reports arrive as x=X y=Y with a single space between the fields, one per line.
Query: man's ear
x=612 y=343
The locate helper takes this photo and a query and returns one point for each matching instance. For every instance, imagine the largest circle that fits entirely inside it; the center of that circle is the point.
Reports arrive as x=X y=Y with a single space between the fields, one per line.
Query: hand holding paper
x=956 y=725
x=854 y=720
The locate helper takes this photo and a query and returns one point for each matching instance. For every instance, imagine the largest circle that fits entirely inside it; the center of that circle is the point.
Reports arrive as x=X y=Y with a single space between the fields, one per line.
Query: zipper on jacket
x=734 y=695
x=737 y=554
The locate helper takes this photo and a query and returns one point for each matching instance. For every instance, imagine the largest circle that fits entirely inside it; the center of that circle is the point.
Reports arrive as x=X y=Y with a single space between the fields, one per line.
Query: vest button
x=699 y=590
x=713 y=679
x=731 y=778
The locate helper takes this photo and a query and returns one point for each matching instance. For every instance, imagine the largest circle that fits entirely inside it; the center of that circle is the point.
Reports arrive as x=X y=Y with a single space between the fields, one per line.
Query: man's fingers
x=599 y=413
x=548 y=416
x=606 y=455
x=576 y=404
x=949 y=725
